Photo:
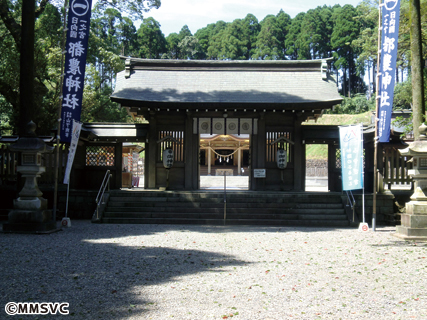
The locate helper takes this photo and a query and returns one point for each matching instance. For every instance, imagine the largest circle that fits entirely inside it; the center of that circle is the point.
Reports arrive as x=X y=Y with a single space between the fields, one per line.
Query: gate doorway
x=227 y=155
x=132 y=174
x=316 y=172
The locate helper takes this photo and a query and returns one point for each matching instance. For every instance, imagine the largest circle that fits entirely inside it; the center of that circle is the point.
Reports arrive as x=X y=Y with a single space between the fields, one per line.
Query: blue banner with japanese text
x=75 y=63
x=351 y=145
x=387 y=72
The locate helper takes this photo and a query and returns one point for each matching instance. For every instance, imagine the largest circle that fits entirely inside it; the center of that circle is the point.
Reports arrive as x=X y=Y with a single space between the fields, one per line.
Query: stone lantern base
x=30 y=214
x=30 y=221
x=413 y=222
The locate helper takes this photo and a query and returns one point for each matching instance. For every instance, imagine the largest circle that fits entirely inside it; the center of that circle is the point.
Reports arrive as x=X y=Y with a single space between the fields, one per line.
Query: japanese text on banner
x=387 y=72
x=77 y=126
x=75 y=63
x=351 y=144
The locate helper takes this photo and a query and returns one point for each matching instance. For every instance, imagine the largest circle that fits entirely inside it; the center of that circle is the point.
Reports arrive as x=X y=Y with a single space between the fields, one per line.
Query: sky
x=196 y=14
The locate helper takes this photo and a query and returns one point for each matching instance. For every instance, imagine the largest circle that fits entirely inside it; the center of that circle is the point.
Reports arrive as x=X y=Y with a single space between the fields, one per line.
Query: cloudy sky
x=196 y=14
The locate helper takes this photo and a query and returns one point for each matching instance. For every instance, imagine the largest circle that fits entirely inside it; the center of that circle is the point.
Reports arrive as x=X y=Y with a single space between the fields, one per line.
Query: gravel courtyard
x=214 y=272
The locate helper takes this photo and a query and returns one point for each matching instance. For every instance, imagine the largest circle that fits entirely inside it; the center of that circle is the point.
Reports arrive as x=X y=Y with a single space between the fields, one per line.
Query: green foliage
x=405 y=124
x=403 y=95
x=111 y=35
x=316 y=32
x=268 y=45
x=182 y=46
x=134 y=9
x=151 y=40
x=347 y=33
x=294 y=45
x=355 y=105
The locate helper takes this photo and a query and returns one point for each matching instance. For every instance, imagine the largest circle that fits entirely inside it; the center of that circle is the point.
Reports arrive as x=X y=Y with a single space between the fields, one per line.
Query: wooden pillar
x=331 y=167
x=239 y=161
x=260 y=152
x=151 y=157
x=118 y=151
x=209 y=159
x=191 y=147
x=304 y=166
x=298 y=156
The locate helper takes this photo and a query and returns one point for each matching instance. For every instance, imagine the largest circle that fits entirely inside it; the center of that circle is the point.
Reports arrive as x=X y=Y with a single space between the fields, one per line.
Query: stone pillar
x=414 y=221
x=30 y=213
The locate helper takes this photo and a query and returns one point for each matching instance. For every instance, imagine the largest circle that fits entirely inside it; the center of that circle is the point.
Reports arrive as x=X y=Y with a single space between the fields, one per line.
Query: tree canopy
x=346 y=33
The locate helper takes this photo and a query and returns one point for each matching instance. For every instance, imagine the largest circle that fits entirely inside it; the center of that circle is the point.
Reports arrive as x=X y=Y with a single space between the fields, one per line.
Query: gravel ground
x=210 y=272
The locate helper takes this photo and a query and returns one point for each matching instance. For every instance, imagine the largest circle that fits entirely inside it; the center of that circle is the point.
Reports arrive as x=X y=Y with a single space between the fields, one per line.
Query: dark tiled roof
x=189 y=81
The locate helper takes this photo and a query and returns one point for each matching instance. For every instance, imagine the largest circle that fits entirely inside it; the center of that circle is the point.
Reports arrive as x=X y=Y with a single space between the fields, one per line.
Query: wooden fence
x=396 y=168
x=9 y=163
x=395 y=171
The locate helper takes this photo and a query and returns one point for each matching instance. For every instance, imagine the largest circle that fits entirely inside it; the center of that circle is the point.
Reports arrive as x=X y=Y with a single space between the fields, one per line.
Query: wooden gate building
x=265 y=100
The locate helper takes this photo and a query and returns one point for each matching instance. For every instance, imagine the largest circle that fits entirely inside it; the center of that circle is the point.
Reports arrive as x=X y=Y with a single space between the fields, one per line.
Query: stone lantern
x=414 y=221
x=30 y=212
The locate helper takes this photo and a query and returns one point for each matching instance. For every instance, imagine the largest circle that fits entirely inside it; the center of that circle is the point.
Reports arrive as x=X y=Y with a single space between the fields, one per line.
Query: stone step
x=220 y=194
x=231 y=199
x=241 y=208
x=201 y=215
x=248 y=211
x=4 y=214
x=271 y=222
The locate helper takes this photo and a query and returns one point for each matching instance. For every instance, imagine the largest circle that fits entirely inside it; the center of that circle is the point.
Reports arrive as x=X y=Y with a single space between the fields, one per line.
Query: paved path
x=214 y=272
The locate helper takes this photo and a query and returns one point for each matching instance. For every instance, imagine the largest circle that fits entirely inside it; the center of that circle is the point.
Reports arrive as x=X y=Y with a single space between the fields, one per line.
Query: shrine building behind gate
x=261 y=102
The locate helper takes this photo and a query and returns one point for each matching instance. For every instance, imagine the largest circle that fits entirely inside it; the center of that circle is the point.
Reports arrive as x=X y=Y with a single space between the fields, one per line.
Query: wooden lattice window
x=100 y=156
x=272 y=149
x=338 y=158
x=175 y=142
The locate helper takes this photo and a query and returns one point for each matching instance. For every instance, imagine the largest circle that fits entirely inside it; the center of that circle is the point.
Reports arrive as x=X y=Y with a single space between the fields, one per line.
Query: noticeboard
x=259 y=173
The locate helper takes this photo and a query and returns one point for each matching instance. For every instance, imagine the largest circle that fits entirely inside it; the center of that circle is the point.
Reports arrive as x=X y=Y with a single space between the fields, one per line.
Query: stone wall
x=81 y=204
x=316 y=168
x=385 y=208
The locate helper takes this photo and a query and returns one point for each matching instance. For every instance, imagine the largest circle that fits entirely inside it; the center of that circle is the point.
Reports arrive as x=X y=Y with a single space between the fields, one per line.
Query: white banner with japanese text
x=77 y=127
x=351 y=144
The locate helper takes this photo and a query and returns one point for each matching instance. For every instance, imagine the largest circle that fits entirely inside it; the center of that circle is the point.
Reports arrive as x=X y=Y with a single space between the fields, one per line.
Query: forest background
x=346 y=33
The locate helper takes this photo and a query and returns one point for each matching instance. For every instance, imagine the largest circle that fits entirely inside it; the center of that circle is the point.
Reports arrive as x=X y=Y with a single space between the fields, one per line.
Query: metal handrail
x=105 y=184
x=351 y=201
x=350 y=197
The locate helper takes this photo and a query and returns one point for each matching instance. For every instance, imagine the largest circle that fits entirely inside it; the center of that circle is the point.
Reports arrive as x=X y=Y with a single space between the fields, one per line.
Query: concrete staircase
x=242 y=208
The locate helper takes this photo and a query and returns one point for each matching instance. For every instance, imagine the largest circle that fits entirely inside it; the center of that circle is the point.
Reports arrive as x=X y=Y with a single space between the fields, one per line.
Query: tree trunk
x=26 y=80
x=418 y=107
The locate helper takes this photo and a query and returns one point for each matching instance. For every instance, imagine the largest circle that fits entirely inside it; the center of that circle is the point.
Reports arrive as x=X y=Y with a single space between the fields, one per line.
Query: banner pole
x=374 y=208
x=363 y=174
x=58 y=131
x=68 y=194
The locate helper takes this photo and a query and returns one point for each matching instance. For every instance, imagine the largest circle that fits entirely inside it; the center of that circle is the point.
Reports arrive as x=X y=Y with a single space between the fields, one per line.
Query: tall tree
x=283 y=21
x=251 y=28
x=346 y=29
x=184 y=32
x=418 y=103
x=172 y=47
x=268 y=45
x=151 y=40
x=367 y=42
x=316 y=30
x=231 y=42
x=189 y=47
x=10 y=17
x=111 y=35
x=295 y=49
